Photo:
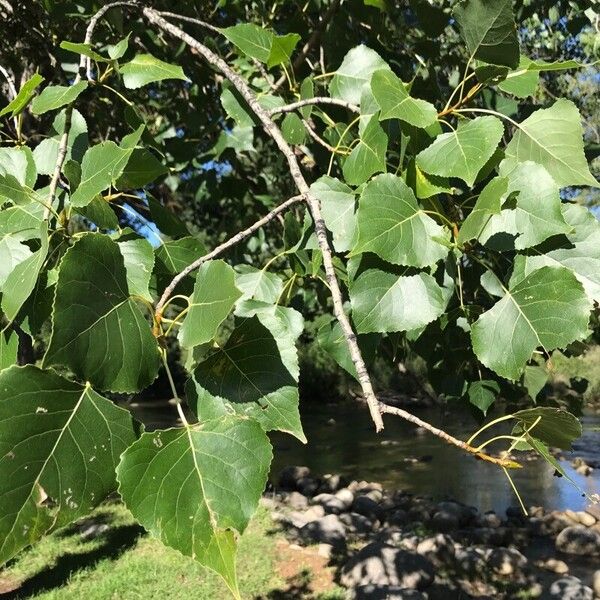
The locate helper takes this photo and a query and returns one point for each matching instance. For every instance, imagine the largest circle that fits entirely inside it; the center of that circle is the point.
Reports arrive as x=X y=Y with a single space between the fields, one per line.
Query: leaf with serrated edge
x=213 y=299
x=258 y=284
x=548 y=309
x=97 y=329
x=59 y=446
x=248 y=375
x=392 y=225
x=464 y=151
x=55 y=96
x=384 y=302
x=555 y=427
x=138 y=256
x=196 y=488
x=22 y=99
x=553 y=138
x=145 y=69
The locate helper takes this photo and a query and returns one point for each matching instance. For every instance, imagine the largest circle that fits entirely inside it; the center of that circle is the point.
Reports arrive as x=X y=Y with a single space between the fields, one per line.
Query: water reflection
x=350 y=447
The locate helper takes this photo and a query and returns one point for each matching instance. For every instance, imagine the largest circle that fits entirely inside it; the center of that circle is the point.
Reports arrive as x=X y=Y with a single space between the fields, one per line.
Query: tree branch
x=236 y=239
x=84 y=69
x=394 y=410
x=12 y=90
x=315 y=136
x=313 y=203
x=308 y=101
x=312 y=41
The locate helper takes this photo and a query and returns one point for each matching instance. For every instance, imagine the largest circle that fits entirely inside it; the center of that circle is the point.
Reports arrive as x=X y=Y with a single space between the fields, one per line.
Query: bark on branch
x=309 y=101
x=313 y=203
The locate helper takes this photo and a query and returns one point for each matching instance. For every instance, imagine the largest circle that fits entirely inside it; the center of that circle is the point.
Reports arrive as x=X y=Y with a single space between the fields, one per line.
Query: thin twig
x=313 y=203
x=84 y=70
x=315 y=136
x=313 y=40
x=236 y=239
x=12 y=91
x=286 y=108
x=171 y=15
x=394 y=410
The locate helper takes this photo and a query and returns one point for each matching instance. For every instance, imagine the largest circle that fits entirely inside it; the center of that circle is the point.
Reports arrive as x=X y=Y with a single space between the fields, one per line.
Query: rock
x=464 y=514
x=314 y=512
x=578 y=540
x=330 y=503
x=439 y=549
x=514 y=512
x=289 y=477
x=596 y=583
x=550 y=524
x=584 y=470
x=444 y=521
x=491 y=519
x=346 y=497
x=375 y=495
x=327 y=530
x=585 y=518
x=375 y=592
x=307 y=486
x=506 y=561
x=332 y=483
x=594 y=510
x=398 y=518
x=536 y=511
x=554 y=565
x=487 y=535
x=356 y=523
x=471 y=561
x=325 y=550
x=382 y=565
x=296 y=501
x=366 y=506
x=570 y=588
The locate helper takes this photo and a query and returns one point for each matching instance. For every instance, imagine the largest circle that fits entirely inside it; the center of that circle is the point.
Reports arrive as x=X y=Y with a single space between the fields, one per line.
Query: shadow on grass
x=115 y=542
x=296 y=588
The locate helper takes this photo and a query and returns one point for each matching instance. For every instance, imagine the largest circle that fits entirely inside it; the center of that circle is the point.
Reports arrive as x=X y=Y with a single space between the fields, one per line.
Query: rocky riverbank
x=394 y=545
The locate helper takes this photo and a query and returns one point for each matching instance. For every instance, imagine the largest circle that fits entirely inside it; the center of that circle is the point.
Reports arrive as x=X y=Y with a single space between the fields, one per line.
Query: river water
x=349 y=446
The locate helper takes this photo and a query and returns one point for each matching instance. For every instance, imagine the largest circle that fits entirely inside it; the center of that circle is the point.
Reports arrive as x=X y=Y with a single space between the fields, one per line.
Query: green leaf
x=538 y=208
x=368 y=156
x=552 y=137
x=9 y=348
x=489 y=30
x=555 y=427
x=581 y=256
x=196 y=488
x=285 y=324
x=282 y=47
x=338 y=205
x=522 y=82
x=166 y=220
x=46 y=152
x=142 y=168
x=425 y=185
x=235 y=108
x=547 y=309
x=354 y=74
x=483 y=394
x=19 y=163
x=102 y=165
x=252 y=40
x=488 y=204
x=464 y=151
x=172 y=257
x=534 y=379
x=138 y=257
x=258 y=284
x=20 y=282
x=307 y=90
x=24 y=97
x=99 y=212
x=384 y=302
x=60 y=443
x=293 y=130
x=247 y=375
x=145 y=69
x=395 y=102
x=97 y=330
x=55 y=96
x=118 y=50
x=213 y=299
x=85 y=49
x=391 y=224
x=332 y=339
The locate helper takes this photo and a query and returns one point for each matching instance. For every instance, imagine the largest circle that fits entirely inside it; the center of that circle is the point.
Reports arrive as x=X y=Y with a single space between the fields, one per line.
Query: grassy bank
x=108 y=556
x=587 y=366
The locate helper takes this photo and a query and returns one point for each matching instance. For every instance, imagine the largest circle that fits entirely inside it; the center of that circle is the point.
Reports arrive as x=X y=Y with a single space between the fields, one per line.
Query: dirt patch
x=305 y=572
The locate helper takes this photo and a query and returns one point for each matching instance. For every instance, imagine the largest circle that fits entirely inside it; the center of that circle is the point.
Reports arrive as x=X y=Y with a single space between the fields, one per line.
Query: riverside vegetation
x=412 y=214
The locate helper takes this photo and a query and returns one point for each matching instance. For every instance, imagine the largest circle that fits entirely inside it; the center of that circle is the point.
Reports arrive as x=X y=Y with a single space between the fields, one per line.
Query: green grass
x=587 y=365
x=125 y=563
